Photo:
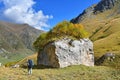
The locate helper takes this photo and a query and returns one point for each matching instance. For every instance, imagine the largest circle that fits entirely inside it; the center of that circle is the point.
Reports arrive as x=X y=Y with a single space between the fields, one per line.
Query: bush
x=63 y=29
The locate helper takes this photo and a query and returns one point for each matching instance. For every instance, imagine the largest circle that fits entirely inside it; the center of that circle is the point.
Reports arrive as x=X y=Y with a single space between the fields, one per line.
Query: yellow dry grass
x=70 y=73
x=33 y=57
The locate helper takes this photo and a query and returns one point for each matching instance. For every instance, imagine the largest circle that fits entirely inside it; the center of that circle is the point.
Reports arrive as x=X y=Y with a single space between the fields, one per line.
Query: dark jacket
x=30 y=63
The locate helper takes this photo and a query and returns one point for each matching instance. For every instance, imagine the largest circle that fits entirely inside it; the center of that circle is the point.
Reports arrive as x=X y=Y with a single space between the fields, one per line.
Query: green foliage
x=13 y=57
x=69 y=29
x=63 y=29
x=40 y=40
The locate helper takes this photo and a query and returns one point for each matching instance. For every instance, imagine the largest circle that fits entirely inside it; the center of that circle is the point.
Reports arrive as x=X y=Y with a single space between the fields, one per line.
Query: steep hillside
x=102 y=21
x=16 y=40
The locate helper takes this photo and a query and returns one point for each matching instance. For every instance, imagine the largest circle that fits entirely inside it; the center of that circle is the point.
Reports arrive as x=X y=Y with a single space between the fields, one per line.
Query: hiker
x=30 y=66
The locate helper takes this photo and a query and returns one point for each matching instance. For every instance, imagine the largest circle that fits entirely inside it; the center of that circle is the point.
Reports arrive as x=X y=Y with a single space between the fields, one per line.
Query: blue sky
x=42 y=14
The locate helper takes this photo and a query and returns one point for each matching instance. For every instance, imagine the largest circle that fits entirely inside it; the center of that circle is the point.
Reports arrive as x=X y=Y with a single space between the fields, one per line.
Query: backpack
x=30 y=63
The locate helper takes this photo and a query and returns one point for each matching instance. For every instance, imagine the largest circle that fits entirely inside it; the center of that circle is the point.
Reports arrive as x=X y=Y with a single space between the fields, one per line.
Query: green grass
x=108 y=44
x=104 y=32
x=79 y=72
x=15 y=57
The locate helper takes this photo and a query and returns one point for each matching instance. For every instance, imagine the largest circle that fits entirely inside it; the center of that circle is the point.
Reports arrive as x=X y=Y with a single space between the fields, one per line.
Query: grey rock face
x=67 y=52
x=104 y=5
x=86 y=13
x=90 y=12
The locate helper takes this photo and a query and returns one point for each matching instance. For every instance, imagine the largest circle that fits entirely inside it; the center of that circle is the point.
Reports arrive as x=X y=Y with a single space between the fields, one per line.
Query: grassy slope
x=24 y=60
x=105 y=33
x=108 y=44
x=69 y=73
x=16 y=41
x=108 y=38
x=15 y=57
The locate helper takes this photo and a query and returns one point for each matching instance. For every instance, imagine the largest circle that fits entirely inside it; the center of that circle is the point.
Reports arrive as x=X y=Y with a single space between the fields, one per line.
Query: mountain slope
x=101 y=7
x=16 y=39
x=102 y=21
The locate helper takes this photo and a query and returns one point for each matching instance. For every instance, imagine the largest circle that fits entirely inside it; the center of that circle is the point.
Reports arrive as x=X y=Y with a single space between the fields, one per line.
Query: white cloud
x=21 y=11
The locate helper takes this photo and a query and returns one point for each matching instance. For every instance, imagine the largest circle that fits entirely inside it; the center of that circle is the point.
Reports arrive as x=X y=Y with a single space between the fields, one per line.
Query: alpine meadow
x=86 y=47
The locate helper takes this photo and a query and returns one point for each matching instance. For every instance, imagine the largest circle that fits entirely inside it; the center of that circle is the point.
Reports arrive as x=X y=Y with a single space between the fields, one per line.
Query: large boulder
x=66 y=52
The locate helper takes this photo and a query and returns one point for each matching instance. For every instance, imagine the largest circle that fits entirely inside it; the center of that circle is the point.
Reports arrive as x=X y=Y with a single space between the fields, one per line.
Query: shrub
x=63 y=29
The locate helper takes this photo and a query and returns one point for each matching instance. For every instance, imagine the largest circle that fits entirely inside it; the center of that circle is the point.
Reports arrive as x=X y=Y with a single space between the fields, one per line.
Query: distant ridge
x=102 y=6
x=16 y=38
